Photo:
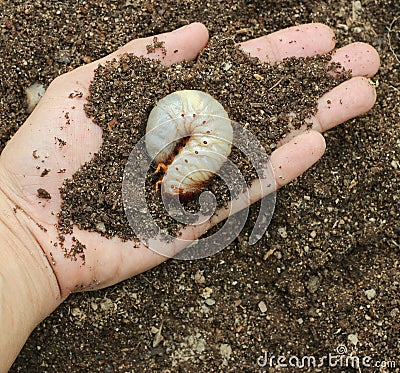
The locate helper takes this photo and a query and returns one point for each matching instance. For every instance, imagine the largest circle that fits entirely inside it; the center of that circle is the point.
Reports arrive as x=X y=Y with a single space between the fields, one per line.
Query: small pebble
x=33 y=95
x=76 y=312
x=199 y=277
x=227 y=66
x=262 y=306
x=357 y=5
x=394 y=312
x=282 y=232
x=225 y=350
x=353 y=339
x=107 y=305
x=94 y=306
x=313 y=284
x=370 y=294
x=206 y=293
x=101 y=227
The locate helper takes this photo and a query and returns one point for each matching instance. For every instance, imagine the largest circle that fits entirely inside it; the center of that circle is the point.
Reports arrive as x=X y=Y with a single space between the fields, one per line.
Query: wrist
x=28 y=288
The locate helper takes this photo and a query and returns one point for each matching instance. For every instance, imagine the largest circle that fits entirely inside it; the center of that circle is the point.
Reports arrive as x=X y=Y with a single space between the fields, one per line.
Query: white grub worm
x=189 y=136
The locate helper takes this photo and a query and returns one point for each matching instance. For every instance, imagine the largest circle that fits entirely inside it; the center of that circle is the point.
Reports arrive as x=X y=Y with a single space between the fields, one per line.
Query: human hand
x=34 y=274
x=108 y=261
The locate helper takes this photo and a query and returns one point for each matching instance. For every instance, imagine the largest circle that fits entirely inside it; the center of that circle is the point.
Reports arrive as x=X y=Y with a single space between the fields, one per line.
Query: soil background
x=325 y=275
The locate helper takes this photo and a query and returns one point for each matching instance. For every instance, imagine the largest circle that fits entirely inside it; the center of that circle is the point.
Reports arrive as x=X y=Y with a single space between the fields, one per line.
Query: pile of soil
x=266 y=100
x=327 y=271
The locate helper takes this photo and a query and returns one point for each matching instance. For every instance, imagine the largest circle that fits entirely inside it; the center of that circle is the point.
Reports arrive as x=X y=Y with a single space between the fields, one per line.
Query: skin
x=34 y=275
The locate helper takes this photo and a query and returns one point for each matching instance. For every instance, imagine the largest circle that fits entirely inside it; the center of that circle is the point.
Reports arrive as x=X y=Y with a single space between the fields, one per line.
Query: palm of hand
x=59 y=137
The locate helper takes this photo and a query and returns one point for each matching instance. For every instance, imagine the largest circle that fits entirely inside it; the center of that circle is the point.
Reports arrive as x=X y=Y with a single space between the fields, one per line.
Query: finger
x=310 y=40
x=287 y=162
x=184 y=43
x=297 y=41
x=346 y=101
x=361 y=58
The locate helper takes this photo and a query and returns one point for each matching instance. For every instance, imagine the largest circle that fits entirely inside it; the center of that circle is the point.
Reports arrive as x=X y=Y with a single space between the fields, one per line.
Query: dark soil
x=259 y=103
x=327 y=271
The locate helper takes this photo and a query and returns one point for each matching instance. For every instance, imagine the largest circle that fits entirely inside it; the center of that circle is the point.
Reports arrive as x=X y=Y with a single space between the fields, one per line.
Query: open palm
x=58 y=138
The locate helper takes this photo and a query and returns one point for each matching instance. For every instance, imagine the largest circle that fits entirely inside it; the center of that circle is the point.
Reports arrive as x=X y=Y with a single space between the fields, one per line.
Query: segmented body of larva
x=189 y=135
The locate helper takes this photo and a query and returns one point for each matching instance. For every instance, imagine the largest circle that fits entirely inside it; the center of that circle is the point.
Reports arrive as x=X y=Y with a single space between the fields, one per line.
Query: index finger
x=181 y=44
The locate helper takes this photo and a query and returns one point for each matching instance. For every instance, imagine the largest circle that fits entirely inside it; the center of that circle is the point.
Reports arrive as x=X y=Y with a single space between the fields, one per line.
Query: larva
x=198 y=126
